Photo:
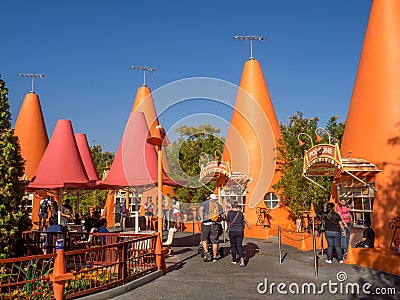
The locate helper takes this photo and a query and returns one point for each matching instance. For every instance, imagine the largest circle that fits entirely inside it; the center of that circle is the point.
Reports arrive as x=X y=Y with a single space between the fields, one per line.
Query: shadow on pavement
x=250 y=250
x=187 y=241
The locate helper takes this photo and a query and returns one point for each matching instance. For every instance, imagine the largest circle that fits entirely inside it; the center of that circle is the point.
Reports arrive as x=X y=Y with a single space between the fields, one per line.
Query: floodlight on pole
x=144 y=69
x=33 y=76
x=301 y=143
x=250 y=38
x=322 y=130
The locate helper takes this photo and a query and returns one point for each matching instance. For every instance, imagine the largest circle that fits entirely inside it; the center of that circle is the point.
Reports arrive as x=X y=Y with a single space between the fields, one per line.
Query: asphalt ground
x=263 y=276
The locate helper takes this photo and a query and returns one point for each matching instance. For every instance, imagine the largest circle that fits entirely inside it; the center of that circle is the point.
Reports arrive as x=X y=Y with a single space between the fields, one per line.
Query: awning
x=213 y=169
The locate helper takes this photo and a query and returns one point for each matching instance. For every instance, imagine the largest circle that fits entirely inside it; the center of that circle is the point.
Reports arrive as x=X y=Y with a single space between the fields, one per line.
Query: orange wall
x=373 y=122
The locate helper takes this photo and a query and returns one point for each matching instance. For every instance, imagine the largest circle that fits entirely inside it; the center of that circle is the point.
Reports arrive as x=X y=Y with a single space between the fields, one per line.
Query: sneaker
x=340 y=261
x=328 y=261
x=233 y=262
x=241 y=262
x=214 y=259
x=207 y=257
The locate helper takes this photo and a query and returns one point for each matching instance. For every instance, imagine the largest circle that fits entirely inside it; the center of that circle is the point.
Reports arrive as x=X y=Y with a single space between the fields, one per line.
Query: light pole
x=157 y=140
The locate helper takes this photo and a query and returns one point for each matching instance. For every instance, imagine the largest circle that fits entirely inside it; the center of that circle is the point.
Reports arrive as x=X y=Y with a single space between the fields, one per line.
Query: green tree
x=297 y=192
x=14 y=218
x=97 y=198
x=184 y=156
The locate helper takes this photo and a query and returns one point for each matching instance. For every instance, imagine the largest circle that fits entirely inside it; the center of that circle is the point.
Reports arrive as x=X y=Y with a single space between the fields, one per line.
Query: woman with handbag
x=334 y=229
x=236 y=221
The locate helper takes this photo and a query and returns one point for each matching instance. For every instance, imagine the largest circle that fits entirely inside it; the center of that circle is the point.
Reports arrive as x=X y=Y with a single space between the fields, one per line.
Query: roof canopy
x=135 y=163
x=86 y=156
x=61 y=165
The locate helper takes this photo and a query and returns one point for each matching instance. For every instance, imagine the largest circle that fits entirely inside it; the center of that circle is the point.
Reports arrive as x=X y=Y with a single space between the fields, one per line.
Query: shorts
x=148 y=214
x=209 y=233
x=43 y=215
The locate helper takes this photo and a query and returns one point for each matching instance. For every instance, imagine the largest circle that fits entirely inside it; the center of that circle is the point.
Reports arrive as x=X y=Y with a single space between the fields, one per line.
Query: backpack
x=213 y=210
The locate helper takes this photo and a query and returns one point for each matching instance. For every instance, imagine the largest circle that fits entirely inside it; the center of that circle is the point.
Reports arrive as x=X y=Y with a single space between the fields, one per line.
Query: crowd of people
x=171 y=213
x=337 y=223
x=48 y=210
x=336 y=219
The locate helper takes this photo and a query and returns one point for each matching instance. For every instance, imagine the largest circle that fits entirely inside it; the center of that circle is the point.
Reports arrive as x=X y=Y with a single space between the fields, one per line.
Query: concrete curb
x=123 y=289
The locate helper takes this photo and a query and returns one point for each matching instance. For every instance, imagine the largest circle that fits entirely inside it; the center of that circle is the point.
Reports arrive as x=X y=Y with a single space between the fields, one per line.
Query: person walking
x=43 y=212
x=176 y=212
x=117 y=213
x=334 y=229
x=148 y=212
x=123 y=213
x=236 y=222
x=344 y=210
x=210 y=212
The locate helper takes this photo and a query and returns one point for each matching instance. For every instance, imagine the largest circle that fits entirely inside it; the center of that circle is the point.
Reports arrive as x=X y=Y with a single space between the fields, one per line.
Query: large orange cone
x=372 y=125
x=144 y=103
x=252 y=136
x=31 y=132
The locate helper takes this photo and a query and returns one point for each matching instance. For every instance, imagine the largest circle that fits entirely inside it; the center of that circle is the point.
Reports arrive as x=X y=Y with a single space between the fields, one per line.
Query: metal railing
x=111 y=259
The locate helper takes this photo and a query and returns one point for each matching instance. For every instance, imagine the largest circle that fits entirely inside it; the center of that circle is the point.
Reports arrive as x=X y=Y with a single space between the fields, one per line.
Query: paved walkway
x=263 y=277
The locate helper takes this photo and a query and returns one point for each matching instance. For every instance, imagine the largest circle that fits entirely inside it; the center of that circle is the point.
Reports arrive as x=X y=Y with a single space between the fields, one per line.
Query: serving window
x=360 y=196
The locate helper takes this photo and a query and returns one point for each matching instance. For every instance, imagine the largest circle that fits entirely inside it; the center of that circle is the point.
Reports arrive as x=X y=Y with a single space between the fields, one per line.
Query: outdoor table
x=75 y=228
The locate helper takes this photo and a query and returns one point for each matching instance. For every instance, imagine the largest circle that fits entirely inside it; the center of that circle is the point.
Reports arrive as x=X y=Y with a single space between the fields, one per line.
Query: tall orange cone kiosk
x=373 y=122
x=144 y=104
x=251 y=145
x=31 y=131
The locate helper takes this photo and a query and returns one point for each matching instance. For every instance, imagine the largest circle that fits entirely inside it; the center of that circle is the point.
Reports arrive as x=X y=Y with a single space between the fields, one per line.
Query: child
x=368 y=238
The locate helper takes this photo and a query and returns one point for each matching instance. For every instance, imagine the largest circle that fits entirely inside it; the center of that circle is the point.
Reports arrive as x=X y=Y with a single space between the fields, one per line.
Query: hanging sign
x=322 y=160
x=214 y=169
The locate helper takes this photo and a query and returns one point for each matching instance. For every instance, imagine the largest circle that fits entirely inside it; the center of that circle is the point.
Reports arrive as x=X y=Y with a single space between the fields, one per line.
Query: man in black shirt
x=368 y=238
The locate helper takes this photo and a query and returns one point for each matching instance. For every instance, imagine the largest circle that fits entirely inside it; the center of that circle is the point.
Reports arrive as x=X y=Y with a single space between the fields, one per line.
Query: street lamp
x=301 y=143
x=157 y=140
x=322 y=130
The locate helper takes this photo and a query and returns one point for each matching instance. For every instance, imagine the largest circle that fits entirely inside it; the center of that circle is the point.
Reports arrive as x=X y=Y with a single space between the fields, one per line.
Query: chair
x=90 y=240
x=169 y=240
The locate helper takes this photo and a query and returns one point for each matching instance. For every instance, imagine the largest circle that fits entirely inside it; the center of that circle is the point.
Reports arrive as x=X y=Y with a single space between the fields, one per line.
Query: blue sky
x=86 y=47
